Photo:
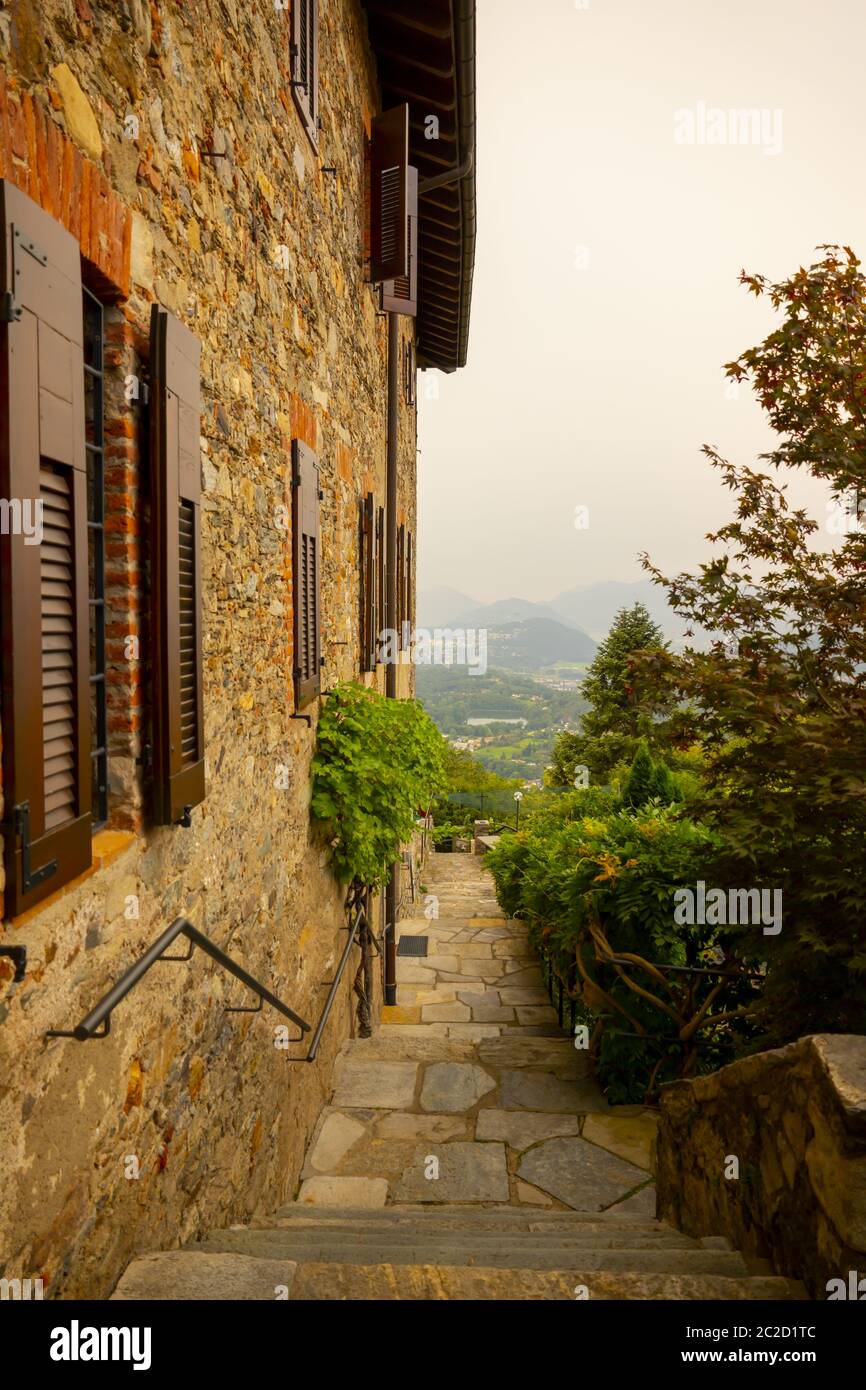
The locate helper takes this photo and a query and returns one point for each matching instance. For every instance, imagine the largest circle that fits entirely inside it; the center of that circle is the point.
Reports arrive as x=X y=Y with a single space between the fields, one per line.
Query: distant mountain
x=594 y=606
x=444 y=607
x=532 y=643
x=437 y=607
x=588 y=610
x=508 y=610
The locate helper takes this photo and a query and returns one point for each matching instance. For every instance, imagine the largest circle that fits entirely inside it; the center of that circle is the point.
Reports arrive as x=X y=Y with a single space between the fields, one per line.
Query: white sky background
x=597 y=386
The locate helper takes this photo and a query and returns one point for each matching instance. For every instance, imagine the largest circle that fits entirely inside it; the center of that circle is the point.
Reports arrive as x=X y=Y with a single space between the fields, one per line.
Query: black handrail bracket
x=97 y=1023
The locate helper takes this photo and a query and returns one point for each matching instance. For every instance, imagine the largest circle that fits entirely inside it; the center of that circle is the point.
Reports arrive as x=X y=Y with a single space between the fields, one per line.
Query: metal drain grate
x=412 y=946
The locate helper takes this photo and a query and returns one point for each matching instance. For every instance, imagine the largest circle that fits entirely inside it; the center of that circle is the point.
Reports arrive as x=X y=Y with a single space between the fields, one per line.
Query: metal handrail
x=101 y=1014
x=358 y=901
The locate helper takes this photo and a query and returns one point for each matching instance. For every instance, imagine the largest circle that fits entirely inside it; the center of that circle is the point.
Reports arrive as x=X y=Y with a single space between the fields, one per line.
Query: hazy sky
x=606 y=296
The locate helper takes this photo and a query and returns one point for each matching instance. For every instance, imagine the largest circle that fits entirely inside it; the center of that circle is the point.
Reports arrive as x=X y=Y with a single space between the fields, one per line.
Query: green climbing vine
x=377 y=763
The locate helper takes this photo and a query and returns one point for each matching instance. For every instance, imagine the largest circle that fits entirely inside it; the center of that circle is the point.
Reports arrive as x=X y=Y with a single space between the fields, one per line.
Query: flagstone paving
x=466 y=1153
x=463 y=1042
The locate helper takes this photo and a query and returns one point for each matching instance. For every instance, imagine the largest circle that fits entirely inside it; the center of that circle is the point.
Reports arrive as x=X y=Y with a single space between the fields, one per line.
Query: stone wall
x=165 y=135
x=792 y=1125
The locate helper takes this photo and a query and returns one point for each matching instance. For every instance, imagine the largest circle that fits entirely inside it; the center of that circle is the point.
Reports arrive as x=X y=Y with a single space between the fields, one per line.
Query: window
x=44 y=594
x=369 y=577
x=400 y=295
x=389 y=196
x=305 y=65
x=306 y=566
x=409 y=372
x=94 y=422
x=178 y=707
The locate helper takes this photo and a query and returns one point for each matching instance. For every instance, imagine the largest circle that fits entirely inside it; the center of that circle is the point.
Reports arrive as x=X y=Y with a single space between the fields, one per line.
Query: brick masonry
x=164 y=137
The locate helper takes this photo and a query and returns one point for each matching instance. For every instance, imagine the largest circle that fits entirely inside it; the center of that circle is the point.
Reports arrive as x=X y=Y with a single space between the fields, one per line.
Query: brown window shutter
x=306 y=540
x=409 y=581
x=178 y=703
x=400 y=296
x=45 y=601
x=389 y=195
x=381 y=590
x=305 y=65
x=409 y=372
x=369 y=583
x=401 y=579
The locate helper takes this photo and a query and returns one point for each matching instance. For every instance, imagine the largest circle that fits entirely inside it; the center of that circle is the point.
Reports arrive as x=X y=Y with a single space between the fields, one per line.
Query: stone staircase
x=466 y=1153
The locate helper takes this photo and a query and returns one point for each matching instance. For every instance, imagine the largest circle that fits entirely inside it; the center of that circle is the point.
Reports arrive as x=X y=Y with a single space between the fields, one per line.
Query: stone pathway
x=467 y=1152
x=470 y=1091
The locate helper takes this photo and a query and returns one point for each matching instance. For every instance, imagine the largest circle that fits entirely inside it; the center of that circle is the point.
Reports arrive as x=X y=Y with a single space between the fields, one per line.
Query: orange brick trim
x=304 y=423
x=39 y=159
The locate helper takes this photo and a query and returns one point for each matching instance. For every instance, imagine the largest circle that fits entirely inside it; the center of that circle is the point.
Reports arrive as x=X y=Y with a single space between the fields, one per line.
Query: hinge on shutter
x=20 y=825
x=10 y=309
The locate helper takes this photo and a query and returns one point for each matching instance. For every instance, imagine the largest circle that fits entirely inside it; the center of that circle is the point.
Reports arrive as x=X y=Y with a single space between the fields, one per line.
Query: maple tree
x=778 y=701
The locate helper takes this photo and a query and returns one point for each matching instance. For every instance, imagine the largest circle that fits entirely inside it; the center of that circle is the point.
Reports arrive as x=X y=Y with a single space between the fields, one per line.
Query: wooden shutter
x=389 y=195
x=407 y=586
x=409 y=372
x=400 y=296
x=305 y=65
x=401 y=580
x=178 y=704
x=369 y=583
x=44 y=609
x=381 y=590
x=306 y=540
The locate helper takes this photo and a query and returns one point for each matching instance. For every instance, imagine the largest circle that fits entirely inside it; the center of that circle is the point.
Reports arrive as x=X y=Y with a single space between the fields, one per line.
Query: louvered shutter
x=305 y=64
x=401 y=579
x=400 y=296
x=306 y=538
x=45 y=601
x=389 y=195
x=407 y=586
x=381 y=591
x=178 y=704
x=369 y=583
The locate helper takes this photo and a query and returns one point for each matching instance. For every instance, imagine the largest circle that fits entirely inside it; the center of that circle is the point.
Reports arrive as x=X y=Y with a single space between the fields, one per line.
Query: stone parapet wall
x=792 y=1124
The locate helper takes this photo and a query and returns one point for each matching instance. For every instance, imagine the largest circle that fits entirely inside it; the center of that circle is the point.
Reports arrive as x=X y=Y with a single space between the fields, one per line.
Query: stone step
x=338 y=1283
x=466 y=1214
x=588 y=1239
x=494 y=1251
x=194 y=1276
x=499 y=1216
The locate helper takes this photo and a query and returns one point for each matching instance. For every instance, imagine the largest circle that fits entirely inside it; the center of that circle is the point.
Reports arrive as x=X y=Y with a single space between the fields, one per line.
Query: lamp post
x=518 y=797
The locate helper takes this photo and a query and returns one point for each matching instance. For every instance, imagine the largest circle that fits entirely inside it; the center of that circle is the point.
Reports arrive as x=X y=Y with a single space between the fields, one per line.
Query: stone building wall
x=165 y=136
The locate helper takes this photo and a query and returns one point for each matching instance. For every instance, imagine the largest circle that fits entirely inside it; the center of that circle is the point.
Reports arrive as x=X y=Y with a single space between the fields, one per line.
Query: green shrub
x=377 y=763
x=597 y=888
x=649 y=780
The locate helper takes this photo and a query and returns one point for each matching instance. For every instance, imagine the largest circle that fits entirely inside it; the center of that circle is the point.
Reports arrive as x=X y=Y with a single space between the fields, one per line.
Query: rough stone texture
x=375 y=1283
x=194 y=1276
x=642 y=1203
x=430 y=1127
x=202 y=1104
x=454 y=1086
x=519 y=1130
x=344 y=1192
x=467 y=1173
x=795 y=1119
x=539 y=1090
x=379 y=1085
x=579 y=1174
x=629 y=1136
x=335 y=1138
